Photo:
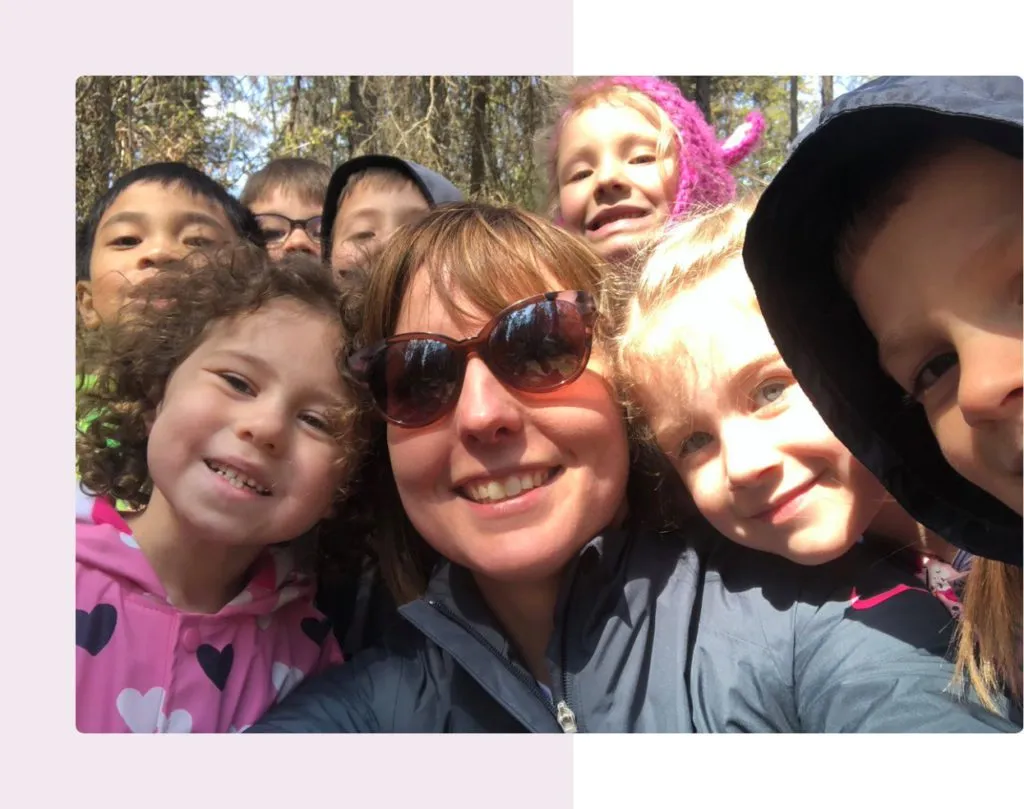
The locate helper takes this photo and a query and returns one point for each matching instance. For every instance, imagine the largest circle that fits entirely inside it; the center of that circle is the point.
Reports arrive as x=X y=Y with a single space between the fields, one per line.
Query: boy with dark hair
x=370 y=197
x=152 y=215
x=287 y=196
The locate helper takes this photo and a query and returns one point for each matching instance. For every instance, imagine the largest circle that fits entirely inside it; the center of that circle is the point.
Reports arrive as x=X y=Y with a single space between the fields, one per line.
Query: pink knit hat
x=704 y=162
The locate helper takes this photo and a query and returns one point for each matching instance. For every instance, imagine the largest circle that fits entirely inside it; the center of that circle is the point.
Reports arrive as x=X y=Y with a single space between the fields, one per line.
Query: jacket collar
x=453 y=614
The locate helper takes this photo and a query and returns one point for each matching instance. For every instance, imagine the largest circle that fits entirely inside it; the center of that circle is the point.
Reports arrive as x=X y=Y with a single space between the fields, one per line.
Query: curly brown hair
x=124 y=368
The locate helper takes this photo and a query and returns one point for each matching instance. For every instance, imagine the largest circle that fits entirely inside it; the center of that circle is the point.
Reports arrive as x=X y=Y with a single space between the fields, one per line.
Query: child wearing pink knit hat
x=629 y=154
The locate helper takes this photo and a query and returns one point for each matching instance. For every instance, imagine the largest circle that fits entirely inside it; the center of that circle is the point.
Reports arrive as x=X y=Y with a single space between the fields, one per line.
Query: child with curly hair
x=226 y=426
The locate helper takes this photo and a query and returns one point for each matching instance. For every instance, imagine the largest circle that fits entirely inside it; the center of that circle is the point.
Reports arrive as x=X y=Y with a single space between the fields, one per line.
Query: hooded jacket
x=435 y=188
x=790 y=256
x=656 y=634
x=143 y=666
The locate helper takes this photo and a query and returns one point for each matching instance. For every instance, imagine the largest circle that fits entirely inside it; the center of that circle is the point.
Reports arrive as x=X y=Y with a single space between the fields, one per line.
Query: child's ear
x=83 y=294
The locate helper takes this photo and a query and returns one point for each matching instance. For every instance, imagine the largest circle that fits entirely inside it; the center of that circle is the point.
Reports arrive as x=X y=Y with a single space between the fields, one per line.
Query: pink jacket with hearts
x=143 y=666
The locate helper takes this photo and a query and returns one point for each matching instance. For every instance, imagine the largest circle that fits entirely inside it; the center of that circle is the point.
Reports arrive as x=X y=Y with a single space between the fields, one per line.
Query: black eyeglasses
x=276 y=228
x=535 y=346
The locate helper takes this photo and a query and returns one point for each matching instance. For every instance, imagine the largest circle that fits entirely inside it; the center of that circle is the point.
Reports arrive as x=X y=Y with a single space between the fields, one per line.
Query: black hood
x=789 y=254
x=435 y=188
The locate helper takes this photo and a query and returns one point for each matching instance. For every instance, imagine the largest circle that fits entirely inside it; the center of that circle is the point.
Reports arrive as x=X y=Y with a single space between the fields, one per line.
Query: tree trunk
x=440 y=122
x=359 y=133
x=794 y=107
x=702 y=95
x=826 y=91
x=293 y=107
x=478 y=146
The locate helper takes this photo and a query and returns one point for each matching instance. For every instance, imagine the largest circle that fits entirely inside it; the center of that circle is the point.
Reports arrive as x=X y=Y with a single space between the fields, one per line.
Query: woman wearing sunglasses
x=512 y=526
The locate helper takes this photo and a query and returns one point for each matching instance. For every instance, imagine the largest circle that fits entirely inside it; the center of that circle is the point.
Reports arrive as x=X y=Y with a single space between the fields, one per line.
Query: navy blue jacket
x=673 y=633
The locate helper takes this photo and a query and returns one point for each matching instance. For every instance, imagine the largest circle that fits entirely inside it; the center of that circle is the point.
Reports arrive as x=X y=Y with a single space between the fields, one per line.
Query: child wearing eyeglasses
x=227 y=428
x=369 y=198
x=287 y=196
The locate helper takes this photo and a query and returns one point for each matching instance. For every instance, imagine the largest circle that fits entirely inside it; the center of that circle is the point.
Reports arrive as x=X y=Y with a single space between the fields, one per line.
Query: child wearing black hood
x=886 y=257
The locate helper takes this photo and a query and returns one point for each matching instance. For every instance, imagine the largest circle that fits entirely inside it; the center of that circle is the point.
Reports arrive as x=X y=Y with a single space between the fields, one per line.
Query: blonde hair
x=988 y=654
x=586 y=94
x=689 y=252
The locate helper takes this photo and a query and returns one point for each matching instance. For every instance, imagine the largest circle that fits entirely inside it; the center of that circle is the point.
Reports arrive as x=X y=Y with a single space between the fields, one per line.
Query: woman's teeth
x=494 y=491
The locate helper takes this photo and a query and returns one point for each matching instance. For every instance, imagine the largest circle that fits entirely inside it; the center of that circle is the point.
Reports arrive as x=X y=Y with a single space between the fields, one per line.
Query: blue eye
x=694 y=443
x=769 y=392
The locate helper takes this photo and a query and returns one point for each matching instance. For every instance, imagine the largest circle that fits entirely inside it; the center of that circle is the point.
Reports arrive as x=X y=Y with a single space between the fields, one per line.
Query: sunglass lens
x=414 y=382
x=539 y=346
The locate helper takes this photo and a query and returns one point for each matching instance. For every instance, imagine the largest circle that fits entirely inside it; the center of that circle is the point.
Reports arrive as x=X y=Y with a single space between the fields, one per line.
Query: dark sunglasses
x=276 y=228
x=534 y=346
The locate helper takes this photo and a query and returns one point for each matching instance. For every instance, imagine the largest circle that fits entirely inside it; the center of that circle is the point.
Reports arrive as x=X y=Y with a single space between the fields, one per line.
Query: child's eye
x=644 y=158
x=769 y=393
x=199 y=241
x=931 y=372
x=126 y=241
x=694 y=443
x=576 y=176
x=363 y=236
x=316 y=421
x=237 y=383
x=273 y=234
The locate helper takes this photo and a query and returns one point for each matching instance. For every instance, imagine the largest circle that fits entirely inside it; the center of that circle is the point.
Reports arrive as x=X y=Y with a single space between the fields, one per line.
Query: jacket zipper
x=563 y=714
x=566 y=717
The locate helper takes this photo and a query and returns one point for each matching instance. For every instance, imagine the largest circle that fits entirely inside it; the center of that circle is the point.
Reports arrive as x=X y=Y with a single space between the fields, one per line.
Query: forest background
x=479 y=131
